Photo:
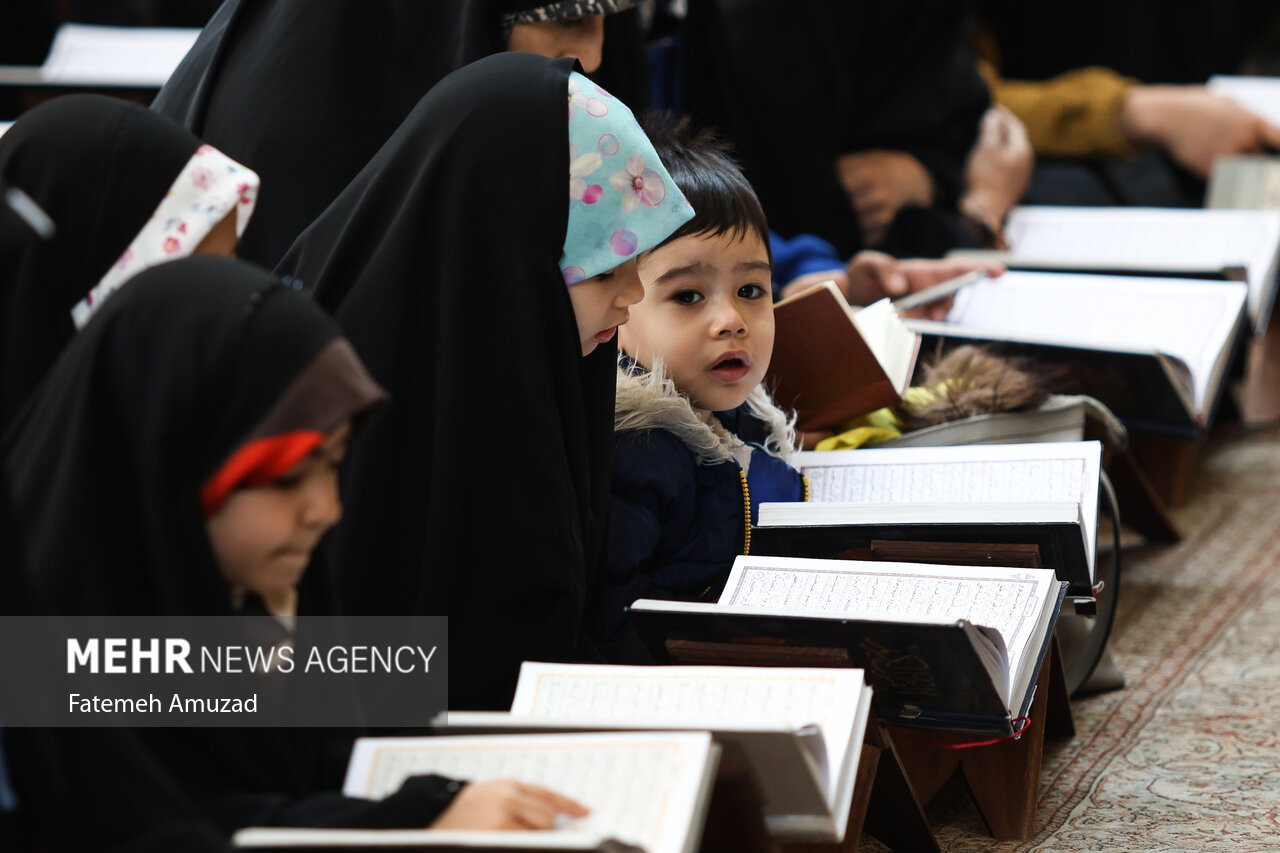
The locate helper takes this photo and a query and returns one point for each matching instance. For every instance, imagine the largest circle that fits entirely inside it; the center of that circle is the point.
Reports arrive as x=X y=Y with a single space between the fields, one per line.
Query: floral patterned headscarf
x=559 y=10
x=210 y=187
x=622 y=201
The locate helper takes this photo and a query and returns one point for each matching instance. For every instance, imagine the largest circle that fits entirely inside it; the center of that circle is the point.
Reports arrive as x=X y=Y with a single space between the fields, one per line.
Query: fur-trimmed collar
x=648 y=399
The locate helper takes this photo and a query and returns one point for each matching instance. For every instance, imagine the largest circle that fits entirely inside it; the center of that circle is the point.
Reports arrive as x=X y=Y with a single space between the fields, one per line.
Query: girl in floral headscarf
x=126 y=189
x=482 y=492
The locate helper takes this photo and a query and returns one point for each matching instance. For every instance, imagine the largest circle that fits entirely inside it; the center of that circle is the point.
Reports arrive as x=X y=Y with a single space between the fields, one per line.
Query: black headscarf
x=98 y=166
x=305 y=93
x=482 y=492
x=80 y=789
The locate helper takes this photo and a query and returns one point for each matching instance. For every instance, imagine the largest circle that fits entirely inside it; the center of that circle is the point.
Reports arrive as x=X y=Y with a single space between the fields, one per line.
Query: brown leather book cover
x=821 y=367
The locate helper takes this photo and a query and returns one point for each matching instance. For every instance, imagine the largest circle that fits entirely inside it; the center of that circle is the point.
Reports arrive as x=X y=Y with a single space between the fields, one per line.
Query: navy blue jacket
x=677 y=518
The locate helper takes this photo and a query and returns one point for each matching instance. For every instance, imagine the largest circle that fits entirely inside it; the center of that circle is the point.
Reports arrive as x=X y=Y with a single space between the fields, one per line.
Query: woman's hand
x=875 y=275
x=1194 y=125
x=880 y=183
x=998 y=171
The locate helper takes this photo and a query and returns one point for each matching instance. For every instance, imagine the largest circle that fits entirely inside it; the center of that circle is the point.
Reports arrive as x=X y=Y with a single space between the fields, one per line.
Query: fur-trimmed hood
x=648 y=399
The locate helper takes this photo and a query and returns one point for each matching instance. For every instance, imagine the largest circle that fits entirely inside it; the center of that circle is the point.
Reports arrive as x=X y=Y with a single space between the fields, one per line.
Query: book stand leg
x=1058 y=719
x=1002 y=777
x=883 y=797
x=896 y=816
x=1260 y=396
x=1167 y=464
x=884 y=804
x=735 y=815
x=1141 y=506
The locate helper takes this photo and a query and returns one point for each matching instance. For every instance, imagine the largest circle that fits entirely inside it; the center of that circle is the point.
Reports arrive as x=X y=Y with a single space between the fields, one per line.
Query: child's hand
x=875 y=275
x=506 y=804
x=879 y=184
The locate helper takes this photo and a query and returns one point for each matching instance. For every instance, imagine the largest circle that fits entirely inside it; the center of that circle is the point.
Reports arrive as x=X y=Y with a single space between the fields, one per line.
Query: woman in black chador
x=126 y=189
x=307 y=92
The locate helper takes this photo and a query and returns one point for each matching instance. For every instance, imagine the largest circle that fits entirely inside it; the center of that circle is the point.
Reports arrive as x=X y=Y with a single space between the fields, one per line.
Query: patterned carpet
x=1187 y=756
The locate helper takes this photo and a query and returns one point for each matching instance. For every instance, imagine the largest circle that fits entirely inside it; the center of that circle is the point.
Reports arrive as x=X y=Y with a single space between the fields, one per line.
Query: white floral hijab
x=208 y=188
x=622 y=201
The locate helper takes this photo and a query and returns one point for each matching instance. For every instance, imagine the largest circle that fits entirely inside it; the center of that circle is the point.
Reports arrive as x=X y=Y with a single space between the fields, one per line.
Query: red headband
x=256 y=463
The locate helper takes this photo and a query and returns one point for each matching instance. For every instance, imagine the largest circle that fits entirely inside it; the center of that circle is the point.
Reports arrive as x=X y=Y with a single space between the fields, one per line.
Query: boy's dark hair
x=712 y=181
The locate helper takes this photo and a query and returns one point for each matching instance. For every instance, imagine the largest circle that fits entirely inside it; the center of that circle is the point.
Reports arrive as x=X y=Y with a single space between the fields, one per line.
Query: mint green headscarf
x=622 y=201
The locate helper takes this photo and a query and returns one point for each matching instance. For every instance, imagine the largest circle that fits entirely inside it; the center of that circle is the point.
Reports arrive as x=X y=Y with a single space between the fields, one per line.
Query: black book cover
x=1062 y=546
x=922 y=675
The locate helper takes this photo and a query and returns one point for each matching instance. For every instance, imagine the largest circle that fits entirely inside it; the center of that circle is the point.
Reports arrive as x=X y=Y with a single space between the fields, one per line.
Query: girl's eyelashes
x=286 y=481
x=687 y=297
x=752 y=291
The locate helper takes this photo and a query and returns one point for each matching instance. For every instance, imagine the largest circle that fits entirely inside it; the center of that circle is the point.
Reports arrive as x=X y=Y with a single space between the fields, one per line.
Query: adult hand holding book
x=875 y=275
x=870 y=276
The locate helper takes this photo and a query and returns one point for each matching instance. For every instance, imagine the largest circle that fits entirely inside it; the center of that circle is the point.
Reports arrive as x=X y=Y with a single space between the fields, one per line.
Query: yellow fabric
x=862 y=436
x=1076 y=114
x=879 y=426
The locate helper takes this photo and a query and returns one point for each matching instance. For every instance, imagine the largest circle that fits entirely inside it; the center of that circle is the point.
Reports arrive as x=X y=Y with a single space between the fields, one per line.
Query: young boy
x=699 y=444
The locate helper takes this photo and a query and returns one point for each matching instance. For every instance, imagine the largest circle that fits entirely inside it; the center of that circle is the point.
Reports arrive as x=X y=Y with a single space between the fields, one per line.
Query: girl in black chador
x=473 y=275
x=181 y=459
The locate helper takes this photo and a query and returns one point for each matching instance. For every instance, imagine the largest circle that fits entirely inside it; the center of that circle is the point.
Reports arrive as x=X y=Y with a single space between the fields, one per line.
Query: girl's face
x=263 y=536
x=581 y=38
x=601 y=303
x=221 y=240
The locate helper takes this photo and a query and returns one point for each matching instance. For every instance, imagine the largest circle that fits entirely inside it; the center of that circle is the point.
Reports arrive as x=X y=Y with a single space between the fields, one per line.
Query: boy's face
x=708 y=315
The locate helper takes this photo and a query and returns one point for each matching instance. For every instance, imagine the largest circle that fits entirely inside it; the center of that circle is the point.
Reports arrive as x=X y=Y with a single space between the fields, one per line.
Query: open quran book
x=1142 y=241
x=1043 y=494
x=1154 y=350
x=1259 y=95
x=799 y=729
x=942 y=646
x=108 y=57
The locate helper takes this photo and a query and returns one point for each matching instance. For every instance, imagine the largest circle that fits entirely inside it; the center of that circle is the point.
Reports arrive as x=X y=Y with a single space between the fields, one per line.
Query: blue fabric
x=8 y=797
x=675 y=526
x=665 y=58
x=622 y=199
x=800 y=255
